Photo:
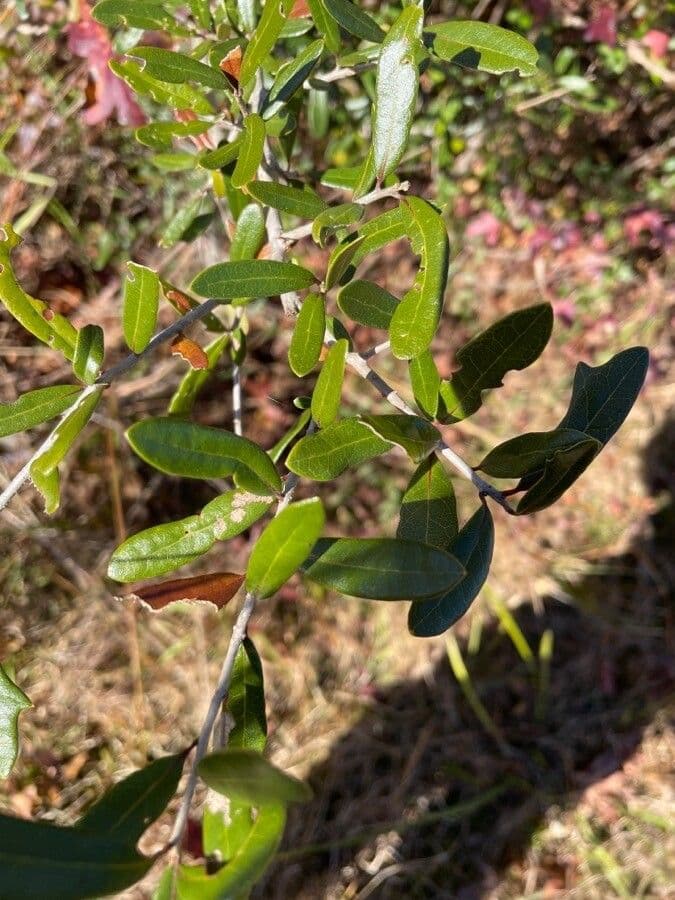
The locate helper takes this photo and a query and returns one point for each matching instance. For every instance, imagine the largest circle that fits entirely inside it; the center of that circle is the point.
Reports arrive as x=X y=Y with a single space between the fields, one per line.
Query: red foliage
x=656 y=42
x=89 y=40
x=602 y=26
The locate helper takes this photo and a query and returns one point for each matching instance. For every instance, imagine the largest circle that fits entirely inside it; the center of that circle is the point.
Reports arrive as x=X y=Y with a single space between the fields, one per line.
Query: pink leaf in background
x=487 y=226
x=602 y=26
x=89 y=40
x=657 y=42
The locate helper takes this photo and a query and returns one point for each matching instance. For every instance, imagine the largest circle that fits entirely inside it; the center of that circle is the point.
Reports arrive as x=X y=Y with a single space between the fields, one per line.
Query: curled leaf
x=217 y=588
x=190 y=351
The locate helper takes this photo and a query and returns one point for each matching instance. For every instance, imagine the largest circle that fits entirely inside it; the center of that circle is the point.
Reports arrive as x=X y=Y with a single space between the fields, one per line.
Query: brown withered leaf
x=230 y=66
x=217 y=588
x=179 y=300
x=300 y=10
x=190 y=351
x=265 y=252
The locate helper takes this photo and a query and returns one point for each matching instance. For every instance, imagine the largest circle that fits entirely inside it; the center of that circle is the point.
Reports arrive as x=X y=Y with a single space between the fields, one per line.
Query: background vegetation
x=531 y=756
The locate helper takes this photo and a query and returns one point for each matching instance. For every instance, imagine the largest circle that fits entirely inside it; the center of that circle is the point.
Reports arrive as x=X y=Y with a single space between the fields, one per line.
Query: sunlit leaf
x=428 y=506
x=12 y=702
x=325 y=24
x=355 y=20
x=283 y=546
x=217 y=588
x=141 y=302
x=36 y=407
x=425 y=382
x=326 y=455
x=291 y=76
x=149 y=15
x=247 y=777
x=334 y=220
x=265 y=36
x=159 y=135
x=379 y=232
x=302 y=202
x=246 y=701
x=367 y=303
x=88 y=357
x=479 y=45
x=308 y=334
x=249 y=235
x=340 y=268
x=328 y=388
x=175 y=96
x=222 y=156
x=251 y=278
x=414 y=435
x=177 y=68
x=251 y=151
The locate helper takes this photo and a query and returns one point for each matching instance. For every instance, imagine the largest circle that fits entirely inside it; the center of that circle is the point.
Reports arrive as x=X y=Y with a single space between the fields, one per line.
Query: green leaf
x=513 y=342
x=561 y=471
x=285 y=441
x=307 y=340
x=428 y=506
x=126 y=810
x=334 y=220
x=74 y=864
x=246 y=776
x=178 y=227
x=176 y=96
x=159 y=135
x=164 y=548
x=318 y=114
x=302 y=202
x=382 y=568
x=416 y=318
x=44 y=468
x=225 y=838
x=175 y=162
x=380 y=231
x=425 y=382
x=291 y=77
x=340 y=268
x=283 y=546
x=251 y=151
x=326 y=455
x=246 y=701
x=414 y=435
x=33 y=314
x=202 y=13
x=222 y=156
x=141 y=302
x=328 y=389
x=477 y=45
x=12 y=702
x=473 y=547
x=265 y=36
x=603 y=396
x=245 y=868
x=177 y=68
x=367 y=303
x=199 y=451
x=88 y=357
x=325 y=24
x=193 y=381
x=246 y=10
x=143 y=14
x=35 y=407
x=251 y=278
x=354 y=20
x=529 y=453
x=396 y=91
x=249 y=235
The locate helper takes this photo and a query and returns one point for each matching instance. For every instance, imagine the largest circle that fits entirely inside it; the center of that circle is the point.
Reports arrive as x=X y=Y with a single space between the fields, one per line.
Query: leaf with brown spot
x=217 y=588
x=230 y=66
x=190 y=351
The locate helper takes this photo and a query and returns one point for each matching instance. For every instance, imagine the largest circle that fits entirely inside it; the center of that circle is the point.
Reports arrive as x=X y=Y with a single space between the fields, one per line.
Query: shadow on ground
x=418 y=800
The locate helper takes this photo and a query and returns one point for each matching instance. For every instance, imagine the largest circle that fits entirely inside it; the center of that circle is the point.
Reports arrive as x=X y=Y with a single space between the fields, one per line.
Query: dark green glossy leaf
x=33 y=314
x=382 y=568
x=126 y=810
x=74 y=864
x=247 y=777
x=328 y=389
x=283 y=546
x=428 y=507
x=44 y=467
x=354 y=20
x=302 y=202
x=334 y=221
x=513 y=342
x=325 y=24
x=222 y=156
x=250 y=152
x=473 y=547
x=414 y=435
x=89 y=350
x=264 y=37
x=12 y=702
x=603 y=396
x=425 y=382
x=244 y=868
x=141 y=302
x=560 y=472
x=416 y=318
x=199 y=451
x=326 y=455
x=251 y=278
x=340 y=268
x=396 y=90
x=249 y=235
x=159 y=135
x=291 y=76
x=246 y=701
x=164 y=548
x=143 y=14
x=193 y=381
x=175 y=96
x=35 y=407
x=367 y=303
x=307 y=340
x=529 y=453
x=478 y=45
x=177 y=68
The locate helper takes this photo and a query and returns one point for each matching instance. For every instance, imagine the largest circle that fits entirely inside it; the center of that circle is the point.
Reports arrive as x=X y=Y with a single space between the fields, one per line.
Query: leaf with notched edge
x=12 y=702
x=217 y=588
